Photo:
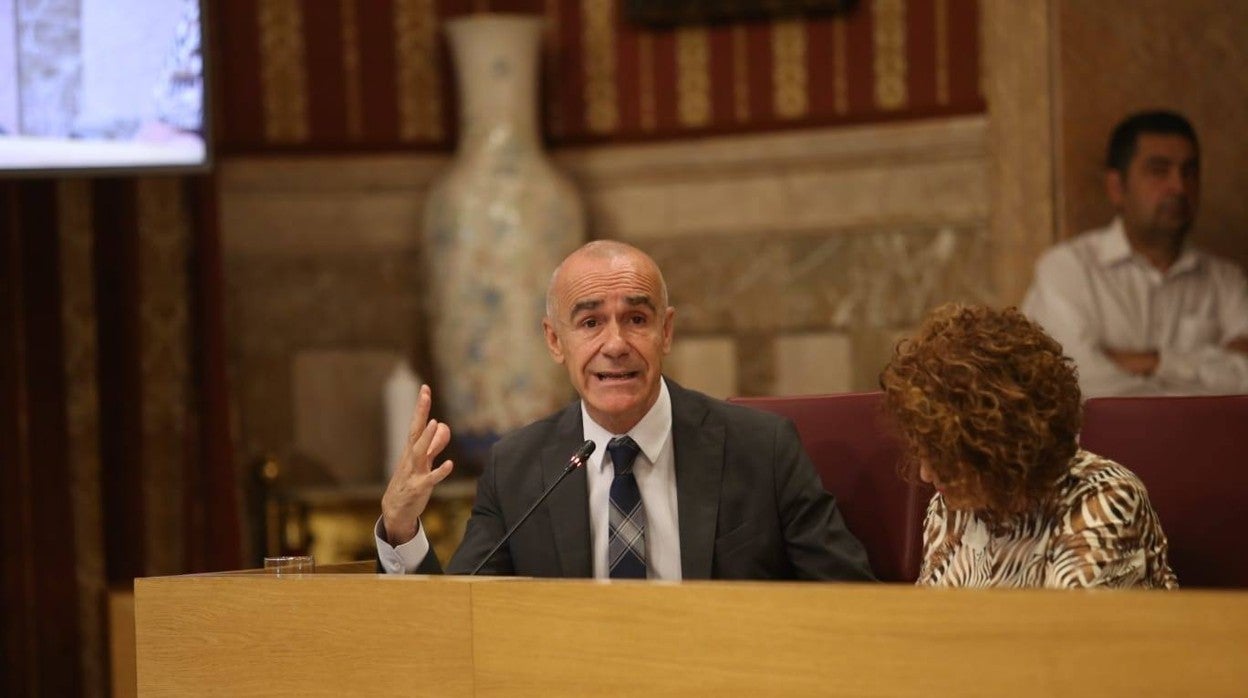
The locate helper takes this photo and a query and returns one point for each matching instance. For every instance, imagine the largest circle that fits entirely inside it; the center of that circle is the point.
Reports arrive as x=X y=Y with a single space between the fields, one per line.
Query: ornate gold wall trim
x=890 y=63
x=282 y=75
x=164 y=327
x=417 y=69
x=602 y=111
x=789 y=76
x=82 y=419
x=645 y=68
x=942 y=52
x=351 y=70
x=693 y=76
x=740 y=75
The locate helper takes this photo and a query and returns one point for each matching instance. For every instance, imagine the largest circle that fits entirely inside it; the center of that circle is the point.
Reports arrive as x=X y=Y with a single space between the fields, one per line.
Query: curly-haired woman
x=989 y=410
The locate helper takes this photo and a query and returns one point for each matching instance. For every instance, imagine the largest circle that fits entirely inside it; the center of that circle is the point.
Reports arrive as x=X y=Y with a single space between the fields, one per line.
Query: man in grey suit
x=680 y=486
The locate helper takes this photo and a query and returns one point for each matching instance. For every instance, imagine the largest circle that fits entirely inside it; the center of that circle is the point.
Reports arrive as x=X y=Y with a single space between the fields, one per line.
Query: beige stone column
x=1017 y=68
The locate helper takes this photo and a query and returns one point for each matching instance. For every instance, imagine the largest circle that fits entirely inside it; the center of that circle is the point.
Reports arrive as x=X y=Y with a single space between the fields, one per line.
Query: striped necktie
x=626 y=537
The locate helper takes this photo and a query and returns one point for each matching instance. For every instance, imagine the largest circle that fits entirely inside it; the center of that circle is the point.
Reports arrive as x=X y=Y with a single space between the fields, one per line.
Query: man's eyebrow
x=587 y=304
x=641 y=300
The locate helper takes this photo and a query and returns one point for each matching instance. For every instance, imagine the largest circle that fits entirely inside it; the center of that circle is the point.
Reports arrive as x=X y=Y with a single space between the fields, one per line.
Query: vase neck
x=496 y=68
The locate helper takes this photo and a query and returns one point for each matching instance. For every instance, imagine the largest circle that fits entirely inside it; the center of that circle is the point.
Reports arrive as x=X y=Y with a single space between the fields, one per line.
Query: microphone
x=577 y=460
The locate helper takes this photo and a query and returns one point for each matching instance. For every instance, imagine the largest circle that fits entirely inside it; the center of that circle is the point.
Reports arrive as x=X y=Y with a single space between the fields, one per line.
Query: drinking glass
x=289 y=565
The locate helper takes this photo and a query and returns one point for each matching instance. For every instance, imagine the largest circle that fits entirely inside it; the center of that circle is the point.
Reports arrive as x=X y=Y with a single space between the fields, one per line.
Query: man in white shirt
x=1140 y=311
x=702 y=490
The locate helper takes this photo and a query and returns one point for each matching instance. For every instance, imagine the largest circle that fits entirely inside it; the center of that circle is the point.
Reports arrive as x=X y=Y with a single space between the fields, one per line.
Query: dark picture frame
x=679 y=12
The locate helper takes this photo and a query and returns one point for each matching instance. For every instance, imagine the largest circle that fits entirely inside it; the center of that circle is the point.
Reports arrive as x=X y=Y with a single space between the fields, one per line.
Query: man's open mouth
x=616 y=376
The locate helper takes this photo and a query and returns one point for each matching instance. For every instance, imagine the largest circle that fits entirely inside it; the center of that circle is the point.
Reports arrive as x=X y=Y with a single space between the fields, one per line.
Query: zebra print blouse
x=1100 y=530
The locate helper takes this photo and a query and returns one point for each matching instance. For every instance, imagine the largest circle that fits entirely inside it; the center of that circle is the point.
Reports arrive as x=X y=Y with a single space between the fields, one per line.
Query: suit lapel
x=698 y=443
x=568 y=505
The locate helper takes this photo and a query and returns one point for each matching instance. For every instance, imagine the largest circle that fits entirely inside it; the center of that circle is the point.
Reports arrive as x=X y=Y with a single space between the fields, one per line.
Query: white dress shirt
x=655 y=471
x=1094 y=291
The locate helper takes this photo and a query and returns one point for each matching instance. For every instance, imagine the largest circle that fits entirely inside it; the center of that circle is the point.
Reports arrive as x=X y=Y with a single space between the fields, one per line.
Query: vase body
x=495 y=227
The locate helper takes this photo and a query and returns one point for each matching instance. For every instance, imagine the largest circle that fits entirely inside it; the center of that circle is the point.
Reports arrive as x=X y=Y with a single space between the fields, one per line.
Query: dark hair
x=987 y=400
x=1126 y=134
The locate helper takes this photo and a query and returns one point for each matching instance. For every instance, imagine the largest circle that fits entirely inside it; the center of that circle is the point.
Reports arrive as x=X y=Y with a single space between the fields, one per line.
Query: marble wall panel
x=756 y=367
x=872 y=349
x=329 y=206
x=277 y=306
x=708 y=364
x=721 y=283
x=844 y=179
x=813 y=364
x=339 y=412
x=874 y=278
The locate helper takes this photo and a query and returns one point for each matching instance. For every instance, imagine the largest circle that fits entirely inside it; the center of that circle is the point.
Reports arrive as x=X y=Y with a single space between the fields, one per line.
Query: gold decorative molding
x=417 y=70
x=740 y=75
x=645 y=69
x=788 y=72
x=602 y=111
x=351 y=69
x=82 y=417
x=840 y=67
x=693 y=76
x=942 y=52
x=164 y=327
x=891 y=67
x=282 y=76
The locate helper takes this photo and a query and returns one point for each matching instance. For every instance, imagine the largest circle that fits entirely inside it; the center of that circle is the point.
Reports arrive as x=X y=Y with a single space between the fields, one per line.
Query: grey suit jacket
x=749 y=502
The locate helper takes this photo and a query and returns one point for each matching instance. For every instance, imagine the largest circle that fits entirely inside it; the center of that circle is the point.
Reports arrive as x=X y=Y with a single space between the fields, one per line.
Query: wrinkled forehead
x=588 y=279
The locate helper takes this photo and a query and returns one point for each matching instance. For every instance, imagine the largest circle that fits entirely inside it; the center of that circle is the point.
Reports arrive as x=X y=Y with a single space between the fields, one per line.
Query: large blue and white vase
x=496 y=226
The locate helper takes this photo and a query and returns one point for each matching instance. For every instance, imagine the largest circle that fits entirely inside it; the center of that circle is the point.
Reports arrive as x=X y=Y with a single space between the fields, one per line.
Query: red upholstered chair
x=856 y=459
x=1192 y=454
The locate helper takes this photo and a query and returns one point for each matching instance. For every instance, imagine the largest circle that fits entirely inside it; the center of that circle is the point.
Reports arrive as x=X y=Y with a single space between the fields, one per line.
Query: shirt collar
x=651 y=433
x=1114 y=248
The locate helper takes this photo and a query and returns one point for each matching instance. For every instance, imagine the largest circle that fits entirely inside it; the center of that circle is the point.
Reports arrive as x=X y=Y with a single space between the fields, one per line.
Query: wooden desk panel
x=342 y=634
x=320 y=634
x=787 y=639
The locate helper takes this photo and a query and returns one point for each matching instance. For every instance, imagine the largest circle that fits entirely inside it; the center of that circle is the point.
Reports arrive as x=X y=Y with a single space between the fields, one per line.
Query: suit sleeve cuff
x=404 y=558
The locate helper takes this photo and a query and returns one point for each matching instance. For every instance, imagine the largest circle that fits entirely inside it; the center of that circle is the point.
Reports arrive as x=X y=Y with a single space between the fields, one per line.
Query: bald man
x=679 y=486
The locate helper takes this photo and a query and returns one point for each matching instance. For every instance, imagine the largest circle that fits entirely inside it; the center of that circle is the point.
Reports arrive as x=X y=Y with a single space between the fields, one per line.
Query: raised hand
x=414 y=477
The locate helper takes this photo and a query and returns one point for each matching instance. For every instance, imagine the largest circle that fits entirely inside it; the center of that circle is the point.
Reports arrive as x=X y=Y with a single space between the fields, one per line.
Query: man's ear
x=1115 y=187
x=552 y=341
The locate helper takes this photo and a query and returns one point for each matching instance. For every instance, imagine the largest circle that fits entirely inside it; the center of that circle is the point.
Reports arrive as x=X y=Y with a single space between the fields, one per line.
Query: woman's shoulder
x=1094 y=476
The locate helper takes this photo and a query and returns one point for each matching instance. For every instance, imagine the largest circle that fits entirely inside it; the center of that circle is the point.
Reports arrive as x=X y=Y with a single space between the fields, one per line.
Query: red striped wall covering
x=115 y=452
x=330 y=75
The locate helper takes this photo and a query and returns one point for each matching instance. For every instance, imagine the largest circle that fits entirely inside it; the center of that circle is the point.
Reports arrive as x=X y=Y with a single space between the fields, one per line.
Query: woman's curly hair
x=989 y=402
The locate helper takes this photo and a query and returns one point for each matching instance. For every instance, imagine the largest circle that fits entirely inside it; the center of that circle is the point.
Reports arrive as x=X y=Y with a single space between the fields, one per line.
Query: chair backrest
x=856 y=457
x=1192 y=455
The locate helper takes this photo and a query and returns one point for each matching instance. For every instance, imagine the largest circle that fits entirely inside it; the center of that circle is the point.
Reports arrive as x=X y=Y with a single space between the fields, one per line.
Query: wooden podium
x=242 y=634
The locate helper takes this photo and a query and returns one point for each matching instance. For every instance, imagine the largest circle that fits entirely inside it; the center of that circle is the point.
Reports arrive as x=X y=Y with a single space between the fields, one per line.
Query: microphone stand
x=578 y=459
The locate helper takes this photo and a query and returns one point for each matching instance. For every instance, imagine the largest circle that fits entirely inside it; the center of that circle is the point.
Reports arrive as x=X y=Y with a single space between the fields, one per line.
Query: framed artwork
x=678 y=12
